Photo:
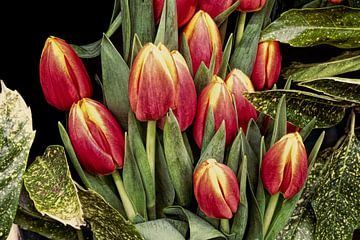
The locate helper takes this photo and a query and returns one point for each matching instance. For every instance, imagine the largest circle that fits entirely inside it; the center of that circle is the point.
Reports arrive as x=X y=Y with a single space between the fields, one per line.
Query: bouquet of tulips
x=192 y=136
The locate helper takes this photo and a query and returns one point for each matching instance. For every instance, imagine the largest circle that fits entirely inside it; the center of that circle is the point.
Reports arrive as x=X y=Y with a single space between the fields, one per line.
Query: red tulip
x=97 y=138
x=335 y=1
x=153 y=83
x=251 y=5
x=63 y=77
x=267 y=65
x=284 y=167
x=185 y=10
x=202 y=36
x=216 y=189
x=218 y=97
x=237 y=82
x=214 y=7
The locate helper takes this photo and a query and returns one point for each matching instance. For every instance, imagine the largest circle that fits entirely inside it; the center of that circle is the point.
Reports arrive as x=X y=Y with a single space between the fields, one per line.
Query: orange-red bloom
x=251 y=5
x=267 y=65
x=216 y=189
x=214 y=7
x=202 y=36
x=185 y=10
x=218 y=97
x=237 y=82
x=63 y=77
x=153 y=83
x=97 y=138
x=284 y=167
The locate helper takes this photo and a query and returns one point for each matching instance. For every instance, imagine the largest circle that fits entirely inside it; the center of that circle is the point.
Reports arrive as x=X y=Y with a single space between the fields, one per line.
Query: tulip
x=203 y=38
x=97 y=138
x=152 y=83
x=218 y=97
x=185 y=10
x=284 y=167
x=214 y=7
x=216 y=189
x=267 y=65
x=251 y=5
x=237 y=82
x=63 y=77
x=335 y=1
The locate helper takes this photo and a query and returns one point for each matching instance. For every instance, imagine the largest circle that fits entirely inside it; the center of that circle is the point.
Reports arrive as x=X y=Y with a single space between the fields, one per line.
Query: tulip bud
x=97 y=138
x=267 y=65
x=335 y=1
x=185 y=10
x=251 y=5
x=216 y=189
x=237 y=82
x=214 y=7
x=203 y=37
x=218 y=97
x=63 y=77
x=284 y=167
x=153 y=83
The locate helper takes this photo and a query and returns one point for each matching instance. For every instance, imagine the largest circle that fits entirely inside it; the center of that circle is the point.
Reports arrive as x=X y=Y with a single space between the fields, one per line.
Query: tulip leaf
x=222 y=17
x=51 y=187
x=260 y=191
x=244 y=55
x=201 y=78
x=226 y=57
x=168 y=27
x=337 y=26
x=344 y=63
x=136 y=47
x=106 y=223
x=280 y=123
x=115 y=81
x=178 y=161
x=185 y=51
x=159 y=229
x=199 y=228
x=16 y=137
x=302 y=107
x=253 y=162
x=90 y=181
x=49 y=229
x=346 y=89
x=305 y=131
x=126 y=29
x=209 y=129
x=253 y=135
x=233 y=160
x=337 y=202
x=144 y=25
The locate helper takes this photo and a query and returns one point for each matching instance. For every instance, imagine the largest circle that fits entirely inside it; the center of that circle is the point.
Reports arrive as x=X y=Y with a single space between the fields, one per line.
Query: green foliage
x=159 y=229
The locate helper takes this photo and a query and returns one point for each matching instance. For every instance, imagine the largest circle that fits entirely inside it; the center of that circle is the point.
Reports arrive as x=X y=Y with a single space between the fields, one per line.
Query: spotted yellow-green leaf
x=16 y=137
x=106 y=223
x=337 y=202
x=338 y=26
x=52 y=189
x=302 y=107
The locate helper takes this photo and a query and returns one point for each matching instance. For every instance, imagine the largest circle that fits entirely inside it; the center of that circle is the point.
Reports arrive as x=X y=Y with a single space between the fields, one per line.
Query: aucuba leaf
x=279 y=128
x=226 y=57
x=222 y=17
x=234 y=156
x=143 y=26
x=126 y=29
x=159 y=229
x=16 y=138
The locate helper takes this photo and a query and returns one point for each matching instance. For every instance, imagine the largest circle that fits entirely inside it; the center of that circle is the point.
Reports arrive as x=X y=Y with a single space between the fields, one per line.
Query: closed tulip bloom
x=203 y=38
x=214 y=7
x=63 y=77
x=237 y=82
x=97 y=138
x=251 y=5
x=153 y=83
x=216 y=189
x=284 y=167
x=218 y=97
x=267 y=65
x=185 y=10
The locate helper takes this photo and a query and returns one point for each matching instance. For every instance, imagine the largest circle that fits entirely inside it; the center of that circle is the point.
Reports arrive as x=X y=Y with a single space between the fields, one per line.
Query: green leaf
x=106 y=223
x=302 y=107
x=16 y=137
x=305 y=131
x=219 y=19
x=354 y=3
x=135 y=48
x=226 y=57
x=244 y=55
x=126 y=29
x=209 y=130
x=51 y=187
x=49 y=229
x=253 y=135
x=201 y=78
x=337 y=202
x=178 y=161
x=185 y=51
x=144 y=25
x=253 y=162
x=233 y=160
x=344 y=63
x=168 y=27
x=346 y=89
x=115 y=81
x=159 y=229
x=337 y=26
x=280 y=122
x=199 y=228
x=90 y=50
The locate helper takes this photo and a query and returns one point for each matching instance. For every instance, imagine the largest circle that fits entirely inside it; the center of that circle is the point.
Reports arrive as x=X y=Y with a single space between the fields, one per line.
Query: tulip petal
x=273 y=66
x=229 y=186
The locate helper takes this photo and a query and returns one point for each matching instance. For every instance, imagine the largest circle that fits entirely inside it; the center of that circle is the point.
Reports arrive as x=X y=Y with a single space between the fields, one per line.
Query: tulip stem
x=128 y=206
x=225 y=225
x=150 y=146
x=240 y=28
x=270 y=209
x=80 y=235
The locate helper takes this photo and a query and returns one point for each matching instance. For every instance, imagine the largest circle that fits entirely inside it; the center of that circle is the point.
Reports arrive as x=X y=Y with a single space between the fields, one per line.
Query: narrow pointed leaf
x=219 y=19
x=126 y=28
x=136 y=46
x=280 y=121
x=209 y=130
x=185 y=51
x=168 y=27
x=143 y=26
x=234 y=156
x=201 y=78
x=226 y=57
